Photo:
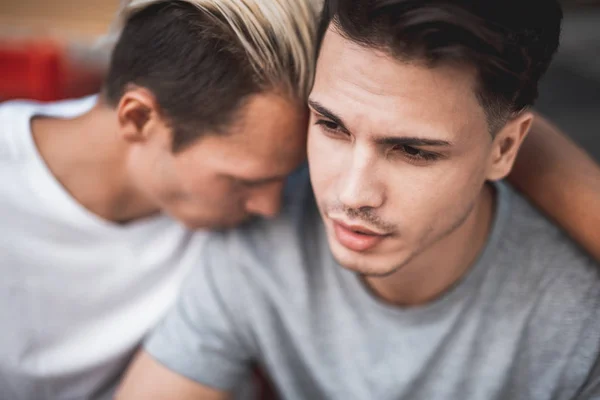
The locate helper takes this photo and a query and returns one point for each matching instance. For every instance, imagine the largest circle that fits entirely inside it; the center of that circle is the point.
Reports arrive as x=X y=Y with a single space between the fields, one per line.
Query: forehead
x=271 y=128
x=366 y=86
x=268 y=138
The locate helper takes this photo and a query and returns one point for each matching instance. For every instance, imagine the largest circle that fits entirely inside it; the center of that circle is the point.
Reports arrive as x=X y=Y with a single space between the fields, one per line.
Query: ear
x=138 y=114
x=506 y=145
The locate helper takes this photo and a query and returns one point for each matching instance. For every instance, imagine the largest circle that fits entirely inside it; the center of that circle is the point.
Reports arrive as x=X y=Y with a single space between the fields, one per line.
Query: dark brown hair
x=203 y=59
x=509 y=42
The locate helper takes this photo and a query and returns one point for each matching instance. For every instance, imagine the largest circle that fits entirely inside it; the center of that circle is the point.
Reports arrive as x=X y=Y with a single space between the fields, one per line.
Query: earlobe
x=507 y=144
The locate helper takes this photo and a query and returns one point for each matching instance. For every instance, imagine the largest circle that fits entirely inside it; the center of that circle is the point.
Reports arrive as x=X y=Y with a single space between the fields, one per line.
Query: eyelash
x=324 y=124
x=423 y=156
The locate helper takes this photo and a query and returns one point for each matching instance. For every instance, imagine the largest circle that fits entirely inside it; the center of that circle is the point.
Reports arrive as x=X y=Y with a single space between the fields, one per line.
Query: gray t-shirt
x=524 y=323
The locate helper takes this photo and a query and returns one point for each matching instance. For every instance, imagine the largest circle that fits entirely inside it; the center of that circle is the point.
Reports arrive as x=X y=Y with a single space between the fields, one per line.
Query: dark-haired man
x=413 y=272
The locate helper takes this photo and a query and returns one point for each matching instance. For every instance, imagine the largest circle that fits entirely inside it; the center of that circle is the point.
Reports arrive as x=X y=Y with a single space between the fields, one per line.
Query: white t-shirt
x=77 y=293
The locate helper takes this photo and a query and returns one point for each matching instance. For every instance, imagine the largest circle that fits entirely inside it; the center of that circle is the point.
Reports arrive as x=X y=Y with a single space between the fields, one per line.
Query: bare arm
x=562 y=180
x=146 y=379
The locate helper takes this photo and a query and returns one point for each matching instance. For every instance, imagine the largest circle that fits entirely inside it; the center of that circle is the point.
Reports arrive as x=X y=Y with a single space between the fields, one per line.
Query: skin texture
x=149 y=380
x=404 y=150
x=218 y=181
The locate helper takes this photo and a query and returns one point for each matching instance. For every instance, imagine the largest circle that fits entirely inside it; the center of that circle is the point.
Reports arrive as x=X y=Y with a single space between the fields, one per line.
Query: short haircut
x=509 y=42
x=202 y=59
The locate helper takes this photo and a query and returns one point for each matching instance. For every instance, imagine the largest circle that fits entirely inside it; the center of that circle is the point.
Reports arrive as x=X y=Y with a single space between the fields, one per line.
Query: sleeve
x=200 y=336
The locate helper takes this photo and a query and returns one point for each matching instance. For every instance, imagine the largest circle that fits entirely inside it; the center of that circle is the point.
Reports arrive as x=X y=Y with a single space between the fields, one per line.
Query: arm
x=562 y=180
x=149 y=380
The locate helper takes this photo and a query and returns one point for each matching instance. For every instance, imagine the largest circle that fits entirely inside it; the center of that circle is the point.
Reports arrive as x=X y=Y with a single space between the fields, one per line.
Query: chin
x=375 y=265
x=194 y=225
x=209 y=223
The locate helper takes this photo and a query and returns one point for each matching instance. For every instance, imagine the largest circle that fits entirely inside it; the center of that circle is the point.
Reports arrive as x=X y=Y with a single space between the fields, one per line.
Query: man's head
x=210 y=99
x=416 y=104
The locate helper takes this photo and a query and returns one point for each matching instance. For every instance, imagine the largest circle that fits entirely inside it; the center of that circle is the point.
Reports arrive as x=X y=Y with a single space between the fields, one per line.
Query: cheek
x=191 y=178
x=325 y=159
x=208 y=191
x=150 y=171
x=426 y=197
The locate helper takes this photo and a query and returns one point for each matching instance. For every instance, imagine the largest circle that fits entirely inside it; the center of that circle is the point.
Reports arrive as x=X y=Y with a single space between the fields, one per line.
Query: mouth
x=357 y=237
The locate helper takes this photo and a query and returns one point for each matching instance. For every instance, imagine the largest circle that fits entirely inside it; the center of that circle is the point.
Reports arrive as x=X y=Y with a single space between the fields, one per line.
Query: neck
x=87 y=156
x=433 y=272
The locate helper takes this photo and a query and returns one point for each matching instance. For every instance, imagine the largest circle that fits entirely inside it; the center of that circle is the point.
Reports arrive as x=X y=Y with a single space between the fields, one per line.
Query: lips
x=356 y=238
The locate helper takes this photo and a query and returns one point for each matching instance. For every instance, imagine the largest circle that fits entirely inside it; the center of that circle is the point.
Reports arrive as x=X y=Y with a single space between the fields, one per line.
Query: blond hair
x=278 y=36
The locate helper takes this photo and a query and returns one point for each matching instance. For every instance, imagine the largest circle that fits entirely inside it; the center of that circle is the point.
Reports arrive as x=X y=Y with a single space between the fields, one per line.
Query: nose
x=360 y=185
x=265 y=201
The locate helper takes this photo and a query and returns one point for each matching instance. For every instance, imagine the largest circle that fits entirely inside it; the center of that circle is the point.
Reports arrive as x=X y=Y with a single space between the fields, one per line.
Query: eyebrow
x=327 y=113
x=386 y=141
x=411 y=141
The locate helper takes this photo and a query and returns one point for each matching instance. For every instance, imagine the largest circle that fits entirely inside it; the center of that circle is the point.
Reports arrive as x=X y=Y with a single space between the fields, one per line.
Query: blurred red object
x=41 y=70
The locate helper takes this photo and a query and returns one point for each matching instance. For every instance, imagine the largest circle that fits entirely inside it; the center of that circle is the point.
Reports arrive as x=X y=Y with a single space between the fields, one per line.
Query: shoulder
x=558 y=281
x=549 y=289
x=546 y=275
x=15 y=117
x=531 y=239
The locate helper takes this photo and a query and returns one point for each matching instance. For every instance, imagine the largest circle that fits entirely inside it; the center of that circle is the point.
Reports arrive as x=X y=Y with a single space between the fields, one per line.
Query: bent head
x=212 y=111
x=416 y=104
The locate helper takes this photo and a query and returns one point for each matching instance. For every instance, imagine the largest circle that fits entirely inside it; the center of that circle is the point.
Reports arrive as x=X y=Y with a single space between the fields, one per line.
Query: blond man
x=200 y=120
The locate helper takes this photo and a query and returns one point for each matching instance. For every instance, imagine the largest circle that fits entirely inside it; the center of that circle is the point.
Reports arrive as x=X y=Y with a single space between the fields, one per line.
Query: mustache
x=364 y=214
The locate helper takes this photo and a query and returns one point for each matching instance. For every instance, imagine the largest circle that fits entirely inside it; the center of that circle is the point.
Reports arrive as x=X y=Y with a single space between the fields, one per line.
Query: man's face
x=221 y=180
x=398 y=154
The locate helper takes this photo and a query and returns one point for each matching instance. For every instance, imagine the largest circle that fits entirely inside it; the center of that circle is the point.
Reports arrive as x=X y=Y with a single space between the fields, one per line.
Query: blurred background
x=52 y=49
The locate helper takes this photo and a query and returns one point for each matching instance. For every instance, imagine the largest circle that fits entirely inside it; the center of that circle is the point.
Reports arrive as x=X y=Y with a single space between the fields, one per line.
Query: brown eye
x=413 y=154
x=408 y=150
x=411 y=151
x=332 y=126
